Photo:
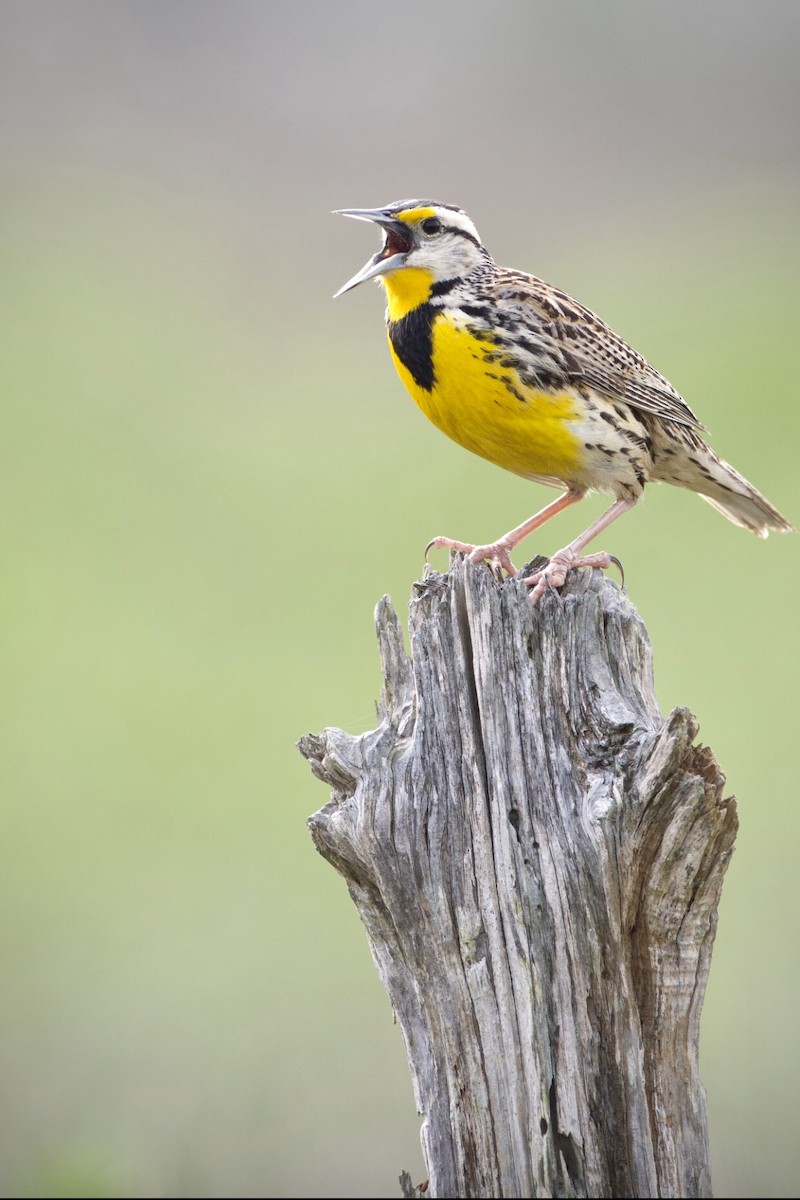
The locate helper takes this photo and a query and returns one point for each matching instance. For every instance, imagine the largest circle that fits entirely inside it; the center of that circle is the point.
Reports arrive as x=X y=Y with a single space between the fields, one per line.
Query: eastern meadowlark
x=523 y=375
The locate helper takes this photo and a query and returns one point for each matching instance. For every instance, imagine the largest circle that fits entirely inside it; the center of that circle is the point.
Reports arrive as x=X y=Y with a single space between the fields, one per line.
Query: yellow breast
x=486 y=408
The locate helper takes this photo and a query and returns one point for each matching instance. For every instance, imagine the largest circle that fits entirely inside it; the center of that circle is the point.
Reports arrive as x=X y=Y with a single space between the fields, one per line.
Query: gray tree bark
x=537 y=856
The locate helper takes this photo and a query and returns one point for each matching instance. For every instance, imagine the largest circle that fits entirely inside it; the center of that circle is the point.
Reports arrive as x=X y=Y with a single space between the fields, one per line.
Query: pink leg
x=564 y=561
x=500 y=551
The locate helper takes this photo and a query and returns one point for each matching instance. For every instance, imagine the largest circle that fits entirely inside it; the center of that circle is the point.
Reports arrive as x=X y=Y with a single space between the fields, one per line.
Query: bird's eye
x=431 y=225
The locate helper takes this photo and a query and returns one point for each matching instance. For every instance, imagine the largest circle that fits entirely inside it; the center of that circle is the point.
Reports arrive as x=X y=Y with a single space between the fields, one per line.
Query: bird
x=521 y=374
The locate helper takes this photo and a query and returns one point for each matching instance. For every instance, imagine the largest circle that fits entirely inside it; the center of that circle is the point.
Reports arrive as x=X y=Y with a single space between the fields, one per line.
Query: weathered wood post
x=537 y=857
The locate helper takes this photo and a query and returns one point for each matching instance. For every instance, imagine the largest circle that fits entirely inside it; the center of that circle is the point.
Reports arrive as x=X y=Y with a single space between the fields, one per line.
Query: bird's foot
x=554 y=575
x=496 y=555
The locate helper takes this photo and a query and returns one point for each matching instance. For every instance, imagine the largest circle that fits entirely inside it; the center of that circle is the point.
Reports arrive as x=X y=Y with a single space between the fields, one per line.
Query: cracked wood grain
x=537 y=856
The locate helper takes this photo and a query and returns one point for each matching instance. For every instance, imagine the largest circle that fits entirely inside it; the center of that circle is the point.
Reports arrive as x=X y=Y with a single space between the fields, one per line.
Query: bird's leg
x=564 y=561
x=500 y=551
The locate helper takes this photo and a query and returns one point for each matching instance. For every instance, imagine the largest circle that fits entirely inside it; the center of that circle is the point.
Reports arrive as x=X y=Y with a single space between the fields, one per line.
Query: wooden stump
x=537 y=857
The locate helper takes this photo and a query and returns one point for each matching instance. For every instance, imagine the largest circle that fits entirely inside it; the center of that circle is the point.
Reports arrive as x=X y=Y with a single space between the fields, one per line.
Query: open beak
x=392 y=254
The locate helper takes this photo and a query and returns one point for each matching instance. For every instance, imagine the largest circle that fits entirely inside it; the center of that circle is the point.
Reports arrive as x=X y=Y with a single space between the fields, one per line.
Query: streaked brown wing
x=589 y=350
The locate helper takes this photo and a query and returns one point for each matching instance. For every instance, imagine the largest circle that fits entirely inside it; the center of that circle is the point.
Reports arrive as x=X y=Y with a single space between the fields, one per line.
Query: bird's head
x=424 y=243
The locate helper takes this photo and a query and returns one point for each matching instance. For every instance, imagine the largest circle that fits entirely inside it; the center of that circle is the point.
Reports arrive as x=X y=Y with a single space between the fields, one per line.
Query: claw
x=619 y=567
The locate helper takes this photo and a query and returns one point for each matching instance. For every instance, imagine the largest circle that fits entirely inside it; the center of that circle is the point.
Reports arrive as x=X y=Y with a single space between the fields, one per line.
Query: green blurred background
x=211 y=474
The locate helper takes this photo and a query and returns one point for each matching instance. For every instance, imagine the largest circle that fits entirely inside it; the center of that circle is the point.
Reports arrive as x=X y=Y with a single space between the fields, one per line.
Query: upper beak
x=381 y=262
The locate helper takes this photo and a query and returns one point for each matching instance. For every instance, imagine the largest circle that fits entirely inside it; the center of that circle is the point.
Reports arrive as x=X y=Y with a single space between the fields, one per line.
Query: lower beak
x=377 y=265
x=380 y=263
